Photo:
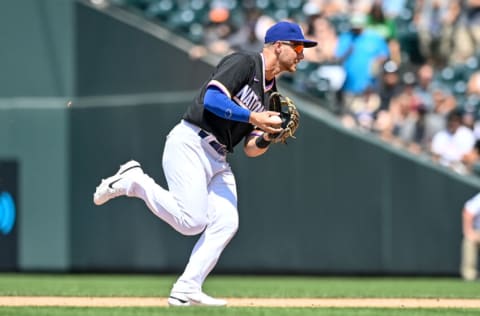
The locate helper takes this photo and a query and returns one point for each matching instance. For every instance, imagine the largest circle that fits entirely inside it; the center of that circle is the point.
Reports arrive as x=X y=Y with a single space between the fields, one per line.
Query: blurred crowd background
x=405 y=71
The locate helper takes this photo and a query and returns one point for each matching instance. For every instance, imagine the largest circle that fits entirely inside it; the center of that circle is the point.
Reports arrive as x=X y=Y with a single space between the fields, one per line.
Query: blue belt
x=219 y=148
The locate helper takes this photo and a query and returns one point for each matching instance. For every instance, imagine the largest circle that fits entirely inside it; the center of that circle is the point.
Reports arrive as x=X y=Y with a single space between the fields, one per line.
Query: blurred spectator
x=417 y=141
x=436 y=120
x=410 y=81
x=423 y=87
x=466 y=34
x=361 y=110
x=362 y=53
x=412 y=133
x=393 y=124
x=321 y=30
x=389 y=86
x=435 y=20
x=449 y=146
x=471 y=238
x=386 y=28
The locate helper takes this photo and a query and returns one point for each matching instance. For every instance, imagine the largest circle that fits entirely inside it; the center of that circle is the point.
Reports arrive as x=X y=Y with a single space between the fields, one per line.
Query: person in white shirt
x=451 y=144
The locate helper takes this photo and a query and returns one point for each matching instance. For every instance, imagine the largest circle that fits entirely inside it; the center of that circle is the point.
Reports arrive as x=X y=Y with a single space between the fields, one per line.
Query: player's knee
x=194 y=226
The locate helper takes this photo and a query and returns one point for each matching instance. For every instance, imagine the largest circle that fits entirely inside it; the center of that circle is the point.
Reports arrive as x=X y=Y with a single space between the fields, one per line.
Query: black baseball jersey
x=241 y=76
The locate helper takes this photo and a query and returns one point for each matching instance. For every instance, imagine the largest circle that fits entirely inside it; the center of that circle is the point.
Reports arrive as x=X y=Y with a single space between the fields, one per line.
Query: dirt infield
x=242 y=302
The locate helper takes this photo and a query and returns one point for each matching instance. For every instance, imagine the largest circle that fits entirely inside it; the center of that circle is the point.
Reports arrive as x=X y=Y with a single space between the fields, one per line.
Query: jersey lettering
x=248 y=98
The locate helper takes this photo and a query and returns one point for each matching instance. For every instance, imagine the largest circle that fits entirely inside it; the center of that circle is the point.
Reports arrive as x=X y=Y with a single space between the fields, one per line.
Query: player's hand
x=268 y=121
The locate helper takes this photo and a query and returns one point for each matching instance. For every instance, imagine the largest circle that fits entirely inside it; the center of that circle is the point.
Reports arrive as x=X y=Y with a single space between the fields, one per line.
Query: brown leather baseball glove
x=289 y=115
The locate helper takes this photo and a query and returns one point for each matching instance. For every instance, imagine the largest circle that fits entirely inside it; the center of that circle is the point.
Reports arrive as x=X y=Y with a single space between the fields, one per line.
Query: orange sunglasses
x=297 y=47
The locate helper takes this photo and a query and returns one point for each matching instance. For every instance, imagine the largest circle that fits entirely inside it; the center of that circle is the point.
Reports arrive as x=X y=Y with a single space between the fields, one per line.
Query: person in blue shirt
x=362 y=52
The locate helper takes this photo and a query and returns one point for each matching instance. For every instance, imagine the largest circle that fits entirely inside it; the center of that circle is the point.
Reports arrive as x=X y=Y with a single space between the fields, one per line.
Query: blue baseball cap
x=287 y=31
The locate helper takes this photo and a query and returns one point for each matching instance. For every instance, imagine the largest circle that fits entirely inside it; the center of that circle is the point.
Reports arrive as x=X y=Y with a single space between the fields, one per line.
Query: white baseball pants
x=202 y=198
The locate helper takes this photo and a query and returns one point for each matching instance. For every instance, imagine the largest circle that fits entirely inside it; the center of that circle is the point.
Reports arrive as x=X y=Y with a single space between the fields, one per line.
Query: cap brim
x=307 y=43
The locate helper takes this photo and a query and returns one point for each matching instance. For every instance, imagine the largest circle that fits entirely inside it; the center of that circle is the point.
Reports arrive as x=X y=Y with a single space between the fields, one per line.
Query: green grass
x=85 y=285
x=237 y=286
x=234 y=286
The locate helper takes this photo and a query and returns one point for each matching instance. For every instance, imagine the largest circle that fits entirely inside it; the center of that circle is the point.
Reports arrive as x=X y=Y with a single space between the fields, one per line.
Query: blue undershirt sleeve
x=221 y=105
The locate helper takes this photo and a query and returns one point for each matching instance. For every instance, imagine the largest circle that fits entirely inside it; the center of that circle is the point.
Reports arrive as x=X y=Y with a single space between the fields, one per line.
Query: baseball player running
x=202 y=198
